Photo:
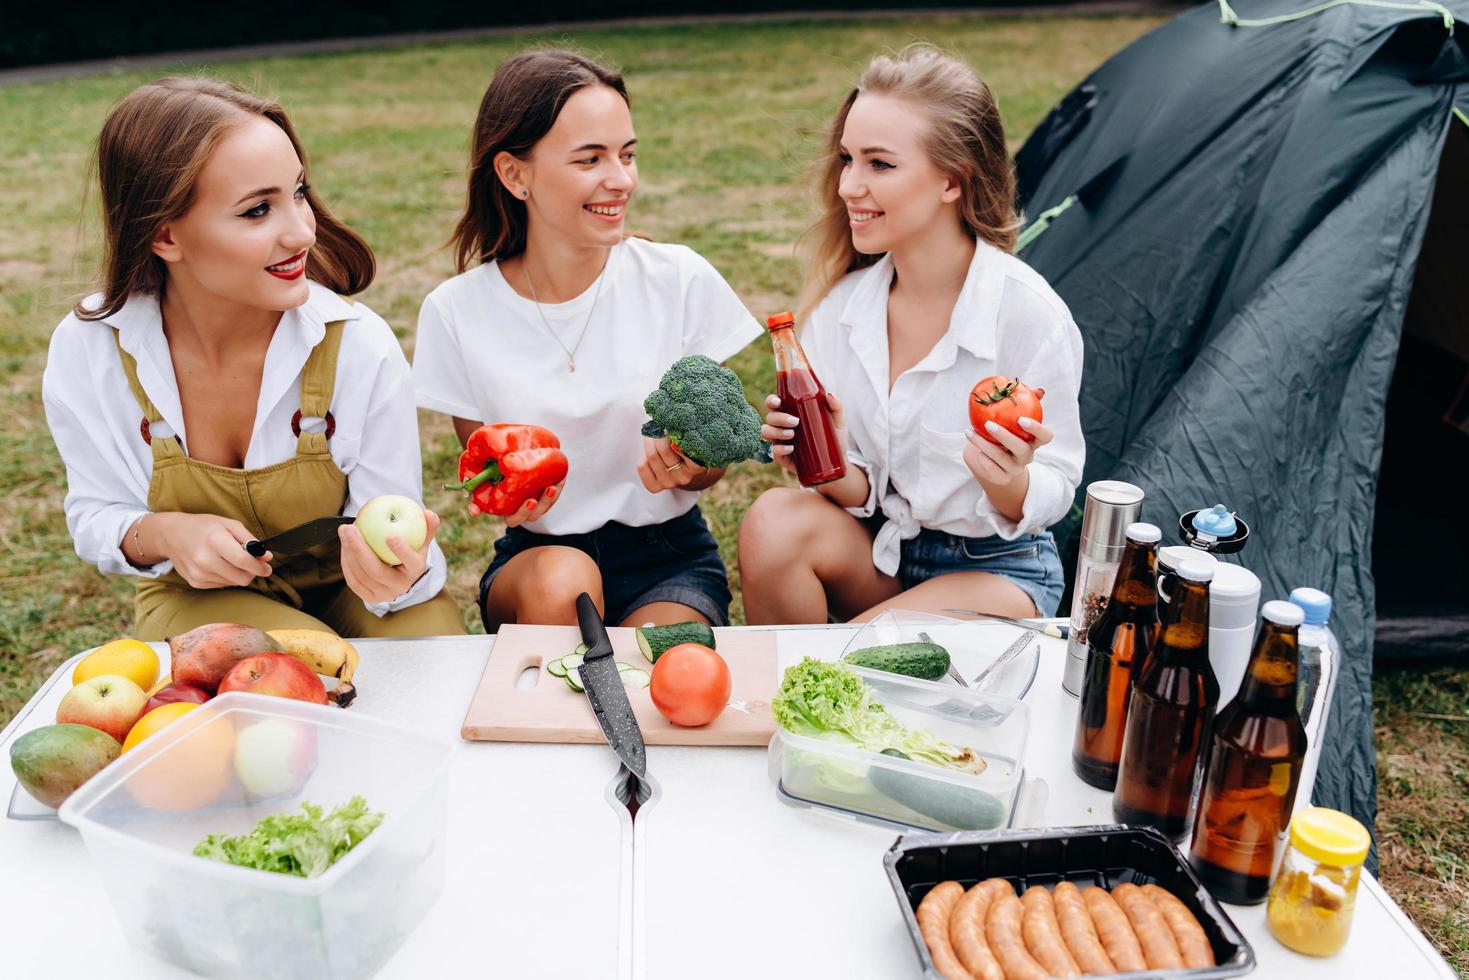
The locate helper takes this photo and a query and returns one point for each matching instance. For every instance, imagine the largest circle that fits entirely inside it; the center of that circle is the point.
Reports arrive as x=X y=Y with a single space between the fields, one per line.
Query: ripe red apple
x=204 y=654
x=277 y=674
x=108 y=703
x=191 y=693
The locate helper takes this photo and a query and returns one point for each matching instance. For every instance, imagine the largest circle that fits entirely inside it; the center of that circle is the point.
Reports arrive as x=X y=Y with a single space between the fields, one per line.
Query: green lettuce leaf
x=303 y=844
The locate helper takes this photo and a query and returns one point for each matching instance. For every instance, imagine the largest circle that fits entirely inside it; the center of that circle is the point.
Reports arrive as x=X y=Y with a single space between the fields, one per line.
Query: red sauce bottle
x=818 y=456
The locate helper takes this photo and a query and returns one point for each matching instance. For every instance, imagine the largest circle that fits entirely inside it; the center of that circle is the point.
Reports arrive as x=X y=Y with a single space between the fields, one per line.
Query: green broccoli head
x=701 y=407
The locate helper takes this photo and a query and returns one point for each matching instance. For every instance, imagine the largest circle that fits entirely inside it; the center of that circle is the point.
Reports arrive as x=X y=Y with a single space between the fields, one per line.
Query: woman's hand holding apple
x=363 y=544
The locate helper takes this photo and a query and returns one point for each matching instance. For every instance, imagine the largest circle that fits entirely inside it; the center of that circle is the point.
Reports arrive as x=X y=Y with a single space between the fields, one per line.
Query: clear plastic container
x=222 y=768
x=840 y=776
x=973 y=648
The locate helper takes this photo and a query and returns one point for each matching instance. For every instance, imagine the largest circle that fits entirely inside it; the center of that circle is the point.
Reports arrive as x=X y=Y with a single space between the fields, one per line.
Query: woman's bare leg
x=803 y=558
x=541 y=585
x=961 y=590
x=662 y=614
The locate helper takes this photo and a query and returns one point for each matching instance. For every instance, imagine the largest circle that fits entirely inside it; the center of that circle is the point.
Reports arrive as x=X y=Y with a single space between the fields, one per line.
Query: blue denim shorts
x=676 y=561
x=1030 y=561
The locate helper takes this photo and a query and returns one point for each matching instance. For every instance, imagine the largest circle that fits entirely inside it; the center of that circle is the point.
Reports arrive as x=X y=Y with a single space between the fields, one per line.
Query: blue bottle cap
x=1315 y=603
x=1216 y=521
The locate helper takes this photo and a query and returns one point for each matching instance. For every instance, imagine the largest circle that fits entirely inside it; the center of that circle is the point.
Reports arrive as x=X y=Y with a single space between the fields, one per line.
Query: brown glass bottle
x=1253 y=768
x=1173 y=700
x=1117 y=644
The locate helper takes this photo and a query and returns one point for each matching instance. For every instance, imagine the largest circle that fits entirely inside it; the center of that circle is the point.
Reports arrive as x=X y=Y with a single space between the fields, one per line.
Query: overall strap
x=318 y=383
x=151 y=415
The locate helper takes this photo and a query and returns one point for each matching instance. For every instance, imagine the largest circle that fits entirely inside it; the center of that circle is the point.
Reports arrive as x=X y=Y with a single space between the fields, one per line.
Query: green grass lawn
x=727 y=118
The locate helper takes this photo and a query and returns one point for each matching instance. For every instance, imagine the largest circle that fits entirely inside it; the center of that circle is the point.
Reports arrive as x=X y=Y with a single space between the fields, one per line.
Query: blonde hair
x=152 y=149
x=966 y=140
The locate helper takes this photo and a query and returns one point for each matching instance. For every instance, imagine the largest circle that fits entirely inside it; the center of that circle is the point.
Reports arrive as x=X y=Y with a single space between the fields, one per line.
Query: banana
x=325 y=653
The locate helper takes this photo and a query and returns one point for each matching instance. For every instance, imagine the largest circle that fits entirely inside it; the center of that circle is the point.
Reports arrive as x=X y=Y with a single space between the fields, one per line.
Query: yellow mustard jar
x=1311 y=900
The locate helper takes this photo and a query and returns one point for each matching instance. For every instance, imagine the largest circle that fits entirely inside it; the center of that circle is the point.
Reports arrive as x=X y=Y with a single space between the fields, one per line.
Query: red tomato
x=1004 y=401
x=690 y=685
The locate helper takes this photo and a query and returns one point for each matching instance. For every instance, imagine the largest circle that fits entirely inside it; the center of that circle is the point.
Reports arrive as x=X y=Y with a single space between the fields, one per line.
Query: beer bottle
x=1253 y=767
x=1117 y=644
x=1168 y=715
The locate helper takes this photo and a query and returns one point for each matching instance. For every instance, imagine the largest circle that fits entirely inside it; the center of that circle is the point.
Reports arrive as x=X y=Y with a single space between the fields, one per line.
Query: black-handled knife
x=299 y=538
x=603 y=684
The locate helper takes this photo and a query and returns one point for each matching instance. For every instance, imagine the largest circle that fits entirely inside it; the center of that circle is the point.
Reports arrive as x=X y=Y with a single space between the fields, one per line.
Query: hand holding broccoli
x=700 y=407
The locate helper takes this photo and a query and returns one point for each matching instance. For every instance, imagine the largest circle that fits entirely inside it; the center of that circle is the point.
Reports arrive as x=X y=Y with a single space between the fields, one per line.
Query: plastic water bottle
x=1320 y=664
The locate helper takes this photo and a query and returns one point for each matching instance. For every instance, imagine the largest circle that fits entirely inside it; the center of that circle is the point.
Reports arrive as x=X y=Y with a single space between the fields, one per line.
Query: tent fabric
x=1250 y=203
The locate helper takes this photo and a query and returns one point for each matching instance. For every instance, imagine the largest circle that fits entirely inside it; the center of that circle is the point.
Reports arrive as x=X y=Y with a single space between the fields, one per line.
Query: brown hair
x=152 y=148
x=520 y=106
x=966 y=139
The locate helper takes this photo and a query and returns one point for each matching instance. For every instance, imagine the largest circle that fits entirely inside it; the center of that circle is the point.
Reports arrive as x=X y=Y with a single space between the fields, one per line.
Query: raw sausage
x=1043 y=934
x=1003 y=931
x=1078 y=932
x=1187 y=932
x=933 y=923
x=1114 y=931
x=966 y=929
x=1159 y=947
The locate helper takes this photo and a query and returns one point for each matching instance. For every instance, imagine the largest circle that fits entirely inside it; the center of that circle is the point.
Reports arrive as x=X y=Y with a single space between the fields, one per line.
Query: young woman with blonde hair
x=220 y=387
x=558 y=318
x=914 y=295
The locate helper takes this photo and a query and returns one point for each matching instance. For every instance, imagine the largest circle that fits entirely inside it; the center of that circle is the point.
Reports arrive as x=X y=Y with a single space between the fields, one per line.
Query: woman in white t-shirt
x=220 y=388
x=914 y=297
x=557 y=319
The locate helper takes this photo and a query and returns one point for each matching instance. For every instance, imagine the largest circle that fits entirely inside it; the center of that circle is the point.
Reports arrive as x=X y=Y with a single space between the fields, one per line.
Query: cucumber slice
x=556 y=668
x=573 y=681
x=624 y=668
x=571 y=661
x=635 y=677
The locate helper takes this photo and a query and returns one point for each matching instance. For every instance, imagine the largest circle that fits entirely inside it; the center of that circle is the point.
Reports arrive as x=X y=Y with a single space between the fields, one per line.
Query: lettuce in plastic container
x=303 y=844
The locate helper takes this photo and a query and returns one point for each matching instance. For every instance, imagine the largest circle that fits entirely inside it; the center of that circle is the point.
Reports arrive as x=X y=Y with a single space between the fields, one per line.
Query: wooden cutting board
x=501 y=711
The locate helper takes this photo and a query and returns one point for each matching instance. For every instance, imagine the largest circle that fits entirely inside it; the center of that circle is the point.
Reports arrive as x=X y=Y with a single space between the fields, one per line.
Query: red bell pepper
x=504 y=465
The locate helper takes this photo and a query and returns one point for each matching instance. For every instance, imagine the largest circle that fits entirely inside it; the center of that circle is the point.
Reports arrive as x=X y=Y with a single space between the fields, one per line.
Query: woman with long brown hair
x=559 y=319
x=913 y=296
x=221 y=388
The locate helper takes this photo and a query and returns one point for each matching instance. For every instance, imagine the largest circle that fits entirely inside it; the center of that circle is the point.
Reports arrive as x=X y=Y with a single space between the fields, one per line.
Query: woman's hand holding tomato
x=690 y=685
x=1006 y=415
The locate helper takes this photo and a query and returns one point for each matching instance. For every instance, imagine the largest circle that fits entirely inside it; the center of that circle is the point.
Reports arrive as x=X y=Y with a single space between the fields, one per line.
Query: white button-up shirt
x=94 y=419
x=910 y=439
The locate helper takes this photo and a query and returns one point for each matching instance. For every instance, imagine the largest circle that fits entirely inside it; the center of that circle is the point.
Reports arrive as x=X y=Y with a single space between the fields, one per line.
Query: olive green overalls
x=305 y=590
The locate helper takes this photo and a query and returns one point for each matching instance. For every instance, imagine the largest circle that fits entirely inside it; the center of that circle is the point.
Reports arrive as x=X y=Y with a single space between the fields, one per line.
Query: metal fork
x=952 y=672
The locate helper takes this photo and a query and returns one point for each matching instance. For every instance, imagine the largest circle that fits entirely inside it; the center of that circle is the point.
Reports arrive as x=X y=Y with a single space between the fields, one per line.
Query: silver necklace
x=570 y=352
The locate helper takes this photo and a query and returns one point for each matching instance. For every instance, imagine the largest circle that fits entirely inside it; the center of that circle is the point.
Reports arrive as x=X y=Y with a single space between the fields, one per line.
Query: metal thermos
x=1111 y=505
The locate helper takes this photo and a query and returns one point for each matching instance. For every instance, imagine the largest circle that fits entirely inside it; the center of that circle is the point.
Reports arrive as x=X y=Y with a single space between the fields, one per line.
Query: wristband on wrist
x=138 y=526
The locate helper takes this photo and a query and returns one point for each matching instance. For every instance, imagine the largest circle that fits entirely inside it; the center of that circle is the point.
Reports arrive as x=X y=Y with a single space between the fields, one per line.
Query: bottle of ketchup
x=818 y=457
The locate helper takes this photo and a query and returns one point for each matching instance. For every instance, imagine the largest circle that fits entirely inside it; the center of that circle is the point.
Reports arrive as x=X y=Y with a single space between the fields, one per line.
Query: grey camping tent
x=1237 y=208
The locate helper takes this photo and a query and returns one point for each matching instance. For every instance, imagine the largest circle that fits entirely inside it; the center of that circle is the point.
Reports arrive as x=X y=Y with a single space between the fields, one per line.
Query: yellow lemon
x=155 y=720
x=132 y=659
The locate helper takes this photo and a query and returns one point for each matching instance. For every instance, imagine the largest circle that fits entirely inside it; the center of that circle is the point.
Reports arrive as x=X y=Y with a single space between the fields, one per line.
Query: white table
x=724 y=865
x=717 y=877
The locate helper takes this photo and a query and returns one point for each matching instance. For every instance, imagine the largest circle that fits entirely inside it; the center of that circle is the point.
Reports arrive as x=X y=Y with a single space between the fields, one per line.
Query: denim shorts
x=676 y=561
x=1030 y=561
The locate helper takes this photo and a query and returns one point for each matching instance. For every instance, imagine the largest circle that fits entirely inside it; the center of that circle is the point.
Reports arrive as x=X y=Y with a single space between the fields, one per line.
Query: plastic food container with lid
x=221 y=769
x=1314 y=893
x=840 y=776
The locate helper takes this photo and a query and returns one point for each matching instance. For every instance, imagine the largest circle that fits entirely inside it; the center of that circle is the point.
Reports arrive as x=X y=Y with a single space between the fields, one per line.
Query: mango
x=52 y=762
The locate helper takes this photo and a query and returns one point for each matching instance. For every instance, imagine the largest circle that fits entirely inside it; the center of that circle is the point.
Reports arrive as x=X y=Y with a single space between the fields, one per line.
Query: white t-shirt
x=910 y=437
x=483 y=353
x=94 y=419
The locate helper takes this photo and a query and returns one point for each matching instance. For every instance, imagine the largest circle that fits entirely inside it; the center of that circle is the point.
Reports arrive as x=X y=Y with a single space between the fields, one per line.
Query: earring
x=525 y=192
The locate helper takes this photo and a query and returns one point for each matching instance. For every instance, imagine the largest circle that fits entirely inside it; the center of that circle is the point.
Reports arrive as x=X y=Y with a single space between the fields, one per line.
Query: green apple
x=391 y=514
x=274 y=756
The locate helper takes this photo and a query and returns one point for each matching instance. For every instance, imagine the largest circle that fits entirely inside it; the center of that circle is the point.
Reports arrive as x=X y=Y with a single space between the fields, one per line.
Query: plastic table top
x=716 y=877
